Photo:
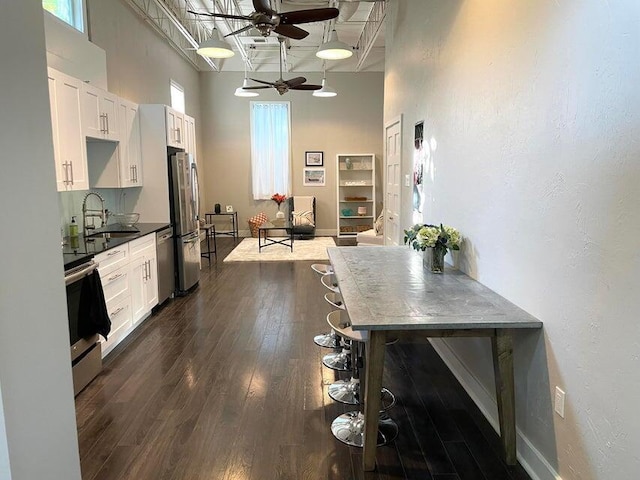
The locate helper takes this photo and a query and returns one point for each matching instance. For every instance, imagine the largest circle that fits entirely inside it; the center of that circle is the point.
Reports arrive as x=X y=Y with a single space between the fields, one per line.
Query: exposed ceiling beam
x=370 y=32
x=164 y=21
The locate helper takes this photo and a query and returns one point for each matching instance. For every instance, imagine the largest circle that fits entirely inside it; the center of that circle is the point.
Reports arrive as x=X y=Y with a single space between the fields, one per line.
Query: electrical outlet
x=559 y=402
x=407 y=180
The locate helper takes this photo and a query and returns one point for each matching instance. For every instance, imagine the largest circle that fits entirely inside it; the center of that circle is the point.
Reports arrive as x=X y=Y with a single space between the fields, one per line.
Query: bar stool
x=330 y=282
x=330 y=340
x=349 y=427
x=322 y=268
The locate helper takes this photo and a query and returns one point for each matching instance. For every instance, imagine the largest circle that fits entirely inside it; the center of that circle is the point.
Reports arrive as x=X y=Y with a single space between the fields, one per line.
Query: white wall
x=35 y=366
x=348 y=123
x=535 y=110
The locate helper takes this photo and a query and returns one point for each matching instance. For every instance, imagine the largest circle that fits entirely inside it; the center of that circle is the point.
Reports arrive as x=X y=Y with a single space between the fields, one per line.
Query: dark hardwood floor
x=227 y=384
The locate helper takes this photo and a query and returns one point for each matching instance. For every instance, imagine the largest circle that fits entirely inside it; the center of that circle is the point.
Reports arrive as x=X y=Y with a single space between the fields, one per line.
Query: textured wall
x=532 y=110
x=348 y=123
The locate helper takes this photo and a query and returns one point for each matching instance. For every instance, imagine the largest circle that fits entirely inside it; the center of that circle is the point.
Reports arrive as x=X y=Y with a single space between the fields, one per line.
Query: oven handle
x=82 y=271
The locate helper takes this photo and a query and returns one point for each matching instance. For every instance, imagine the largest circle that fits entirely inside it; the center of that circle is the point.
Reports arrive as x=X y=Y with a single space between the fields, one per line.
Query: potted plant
x=434 y=241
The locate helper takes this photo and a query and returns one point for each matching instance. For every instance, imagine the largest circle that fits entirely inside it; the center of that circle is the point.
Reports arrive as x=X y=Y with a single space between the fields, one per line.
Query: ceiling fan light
x=325 y=91
x=241 y=92
x=334 y=49
x=215 y=48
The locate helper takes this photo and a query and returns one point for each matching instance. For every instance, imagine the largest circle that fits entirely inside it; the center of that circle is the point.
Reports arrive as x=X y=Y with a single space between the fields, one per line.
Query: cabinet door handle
x=115 y=252
x=113 y=314
x=103 y=123
x=145 y=272
x=71 y=168
x=149 y=263
x=65 y=167
x=111 y=279
x=135 y=170
x=106 y=116
x=179 y=132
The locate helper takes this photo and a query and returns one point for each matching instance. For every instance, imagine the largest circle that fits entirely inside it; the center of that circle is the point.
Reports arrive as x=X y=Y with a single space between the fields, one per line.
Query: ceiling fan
x=266 y=20
x=281 y=85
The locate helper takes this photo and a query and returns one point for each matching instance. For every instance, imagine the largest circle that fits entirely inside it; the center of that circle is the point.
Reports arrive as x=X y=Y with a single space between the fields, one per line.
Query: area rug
x=315 y=249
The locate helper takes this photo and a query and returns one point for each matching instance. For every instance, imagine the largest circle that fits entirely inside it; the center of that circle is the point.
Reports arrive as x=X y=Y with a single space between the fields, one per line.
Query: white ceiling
x=263 y=53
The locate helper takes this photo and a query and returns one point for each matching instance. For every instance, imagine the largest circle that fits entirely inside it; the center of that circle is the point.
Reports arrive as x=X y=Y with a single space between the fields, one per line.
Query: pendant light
x=242 y=91
x=214 y=46
x=334 y=49
x=325 y=91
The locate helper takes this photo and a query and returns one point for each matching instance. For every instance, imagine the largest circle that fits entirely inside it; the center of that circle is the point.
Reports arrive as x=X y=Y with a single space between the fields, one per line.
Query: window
x=177 y=96
x=270 y=149
x=69 y=11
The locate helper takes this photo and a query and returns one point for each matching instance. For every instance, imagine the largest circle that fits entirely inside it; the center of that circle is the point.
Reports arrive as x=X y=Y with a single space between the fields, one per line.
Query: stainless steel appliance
x=166 y=266
x=185 y=205
x=86 y=354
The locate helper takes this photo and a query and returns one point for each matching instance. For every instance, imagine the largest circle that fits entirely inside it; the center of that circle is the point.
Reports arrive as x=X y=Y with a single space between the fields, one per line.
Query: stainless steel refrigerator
x=185 y=205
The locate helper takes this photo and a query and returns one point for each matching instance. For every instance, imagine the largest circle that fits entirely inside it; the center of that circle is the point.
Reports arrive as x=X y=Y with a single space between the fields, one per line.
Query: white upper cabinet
x=100 y=113
x=175 y=128
x=130 y=152
x=65 y=97
x=190 y=135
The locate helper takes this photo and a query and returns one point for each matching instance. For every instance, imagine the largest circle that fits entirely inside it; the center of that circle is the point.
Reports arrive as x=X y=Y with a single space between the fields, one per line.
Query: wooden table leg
x=373 y=385
x=502 y=349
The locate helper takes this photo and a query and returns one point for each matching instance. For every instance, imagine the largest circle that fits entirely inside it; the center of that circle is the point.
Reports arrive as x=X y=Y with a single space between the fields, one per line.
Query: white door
x=393 y=187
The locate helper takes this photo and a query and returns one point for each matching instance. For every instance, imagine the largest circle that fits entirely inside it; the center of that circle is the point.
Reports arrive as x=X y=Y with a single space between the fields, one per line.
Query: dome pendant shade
x=325 y=91
x=334 y=49
x=215 y=48
x=241 y=92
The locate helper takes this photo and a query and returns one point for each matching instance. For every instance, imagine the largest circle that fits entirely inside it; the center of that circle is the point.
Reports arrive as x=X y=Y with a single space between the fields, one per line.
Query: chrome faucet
x=93 y=213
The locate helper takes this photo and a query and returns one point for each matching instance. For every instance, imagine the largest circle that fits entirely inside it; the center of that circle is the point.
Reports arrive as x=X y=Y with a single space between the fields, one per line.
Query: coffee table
x=265 y=240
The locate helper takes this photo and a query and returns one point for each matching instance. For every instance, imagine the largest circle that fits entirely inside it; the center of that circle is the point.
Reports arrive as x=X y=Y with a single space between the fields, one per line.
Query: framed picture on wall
x=313 y=177
x=314 y=159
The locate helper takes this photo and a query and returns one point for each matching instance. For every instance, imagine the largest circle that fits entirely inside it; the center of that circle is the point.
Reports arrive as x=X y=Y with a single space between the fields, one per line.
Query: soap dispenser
x=73 y=227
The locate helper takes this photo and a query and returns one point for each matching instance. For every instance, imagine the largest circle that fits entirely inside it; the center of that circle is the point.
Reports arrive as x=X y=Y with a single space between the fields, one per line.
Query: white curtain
x=270 y=149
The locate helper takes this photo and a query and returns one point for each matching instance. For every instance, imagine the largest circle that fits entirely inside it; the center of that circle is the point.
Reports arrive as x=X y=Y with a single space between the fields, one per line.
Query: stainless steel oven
x=86 y=354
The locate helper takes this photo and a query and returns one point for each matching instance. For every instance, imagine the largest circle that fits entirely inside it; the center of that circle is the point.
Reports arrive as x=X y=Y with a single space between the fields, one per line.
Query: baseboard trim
x=529 y=457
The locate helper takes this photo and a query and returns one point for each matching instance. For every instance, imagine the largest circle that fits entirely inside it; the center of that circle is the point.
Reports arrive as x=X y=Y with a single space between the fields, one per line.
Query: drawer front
x=140 y=244
x=120 y=314
x=112 y=259
x=116 y=284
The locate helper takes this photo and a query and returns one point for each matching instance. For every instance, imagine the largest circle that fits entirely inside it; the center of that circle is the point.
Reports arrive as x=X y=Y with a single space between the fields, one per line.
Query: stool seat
x=331 y=282
x=339 y=320
x=322 y=268
x=334 y=299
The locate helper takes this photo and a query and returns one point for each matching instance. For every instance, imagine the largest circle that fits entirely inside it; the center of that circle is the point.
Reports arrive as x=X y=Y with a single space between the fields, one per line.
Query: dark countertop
x=78 y=251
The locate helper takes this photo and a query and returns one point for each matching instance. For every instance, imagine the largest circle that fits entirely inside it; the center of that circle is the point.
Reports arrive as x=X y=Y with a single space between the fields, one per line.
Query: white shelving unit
x=356 y=180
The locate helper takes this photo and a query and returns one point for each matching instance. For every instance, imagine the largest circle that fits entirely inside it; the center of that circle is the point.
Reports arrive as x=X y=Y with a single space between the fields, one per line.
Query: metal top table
x=387 y=289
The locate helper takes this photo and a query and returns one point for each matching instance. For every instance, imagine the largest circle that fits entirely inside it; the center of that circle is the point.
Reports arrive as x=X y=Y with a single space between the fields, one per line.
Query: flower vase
x=433 y=259
x=279 y=213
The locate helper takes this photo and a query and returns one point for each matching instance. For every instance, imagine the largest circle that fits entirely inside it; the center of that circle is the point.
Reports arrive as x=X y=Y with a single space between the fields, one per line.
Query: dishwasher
x=166 y=266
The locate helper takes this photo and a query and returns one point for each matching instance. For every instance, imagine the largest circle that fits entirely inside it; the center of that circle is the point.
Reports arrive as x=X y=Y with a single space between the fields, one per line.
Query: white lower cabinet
x=144 y=287
x=130 y=285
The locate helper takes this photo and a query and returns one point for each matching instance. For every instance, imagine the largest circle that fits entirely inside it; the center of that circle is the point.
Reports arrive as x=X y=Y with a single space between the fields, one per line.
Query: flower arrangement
x=420 y=237
x=276 y=197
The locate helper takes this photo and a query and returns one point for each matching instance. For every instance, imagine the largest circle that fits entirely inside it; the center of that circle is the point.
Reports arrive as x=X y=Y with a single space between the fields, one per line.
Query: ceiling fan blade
x=244 y=29
x=291 y=31
x=295 y=81
x=262 y=81
x=308 y=16
x=221 y=15
x=262 y=6
x=258 y=87
x=306 y=87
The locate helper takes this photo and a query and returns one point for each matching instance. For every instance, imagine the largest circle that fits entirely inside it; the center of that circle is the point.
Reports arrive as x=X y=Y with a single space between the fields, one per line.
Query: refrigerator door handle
x=196 y=191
